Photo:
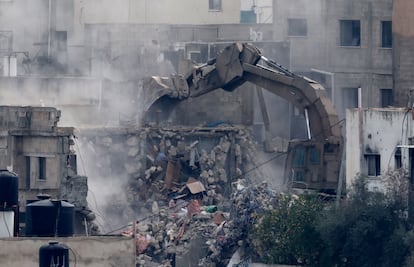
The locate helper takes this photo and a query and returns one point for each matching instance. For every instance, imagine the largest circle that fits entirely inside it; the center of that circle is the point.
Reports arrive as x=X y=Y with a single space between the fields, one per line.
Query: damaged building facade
x=378 y=141
x=42 y=155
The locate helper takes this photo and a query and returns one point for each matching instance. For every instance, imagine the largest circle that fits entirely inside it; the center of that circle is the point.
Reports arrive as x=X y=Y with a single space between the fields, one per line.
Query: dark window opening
x=299 y=157
x=27 y=172
x=398 y=158
x=387 y=98
x=42 y=168
x=214 y=4
x=373 y=162
x=330 y=148
x=61 y=39
x=299 y=176
x=386 y=34
x=350 y=97
x=350 y=32
x=314 y=156
x=297 y=27
x=411 y=158
x=71 y=162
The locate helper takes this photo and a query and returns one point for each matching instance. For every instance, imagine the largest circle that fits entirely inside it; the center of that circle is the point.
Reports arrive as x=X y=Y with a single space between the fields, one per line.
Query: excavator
x=312 y=163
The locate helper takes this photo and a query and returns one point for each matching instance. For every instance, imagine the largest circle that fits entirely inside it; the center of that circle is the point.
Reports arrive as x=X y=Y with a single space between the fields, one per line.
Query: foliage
x=287 y=234
x=369 y=229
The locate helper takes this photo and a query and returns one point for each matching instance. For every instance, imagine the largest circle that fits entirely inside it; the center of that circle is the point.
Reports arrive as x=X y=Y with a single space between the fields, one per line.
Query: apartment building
x=345 y=45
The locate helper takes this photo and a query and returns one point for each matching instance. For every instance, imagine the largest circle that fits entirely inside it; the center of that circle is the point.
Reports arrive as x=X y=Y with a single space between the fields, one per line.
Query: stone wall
x=102 y=251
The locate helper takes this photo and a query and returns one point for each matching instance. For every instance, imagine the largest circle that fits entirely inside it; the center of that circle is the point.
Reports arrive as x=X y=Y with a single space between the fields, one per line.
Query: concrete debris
x=191 y=189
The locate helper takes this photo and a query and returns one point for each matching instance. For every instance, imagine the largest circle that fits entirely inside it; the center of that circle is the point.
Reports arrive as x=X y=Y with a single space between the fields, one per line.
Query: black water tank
x=9 y=188
x=49 y=218
x=54 y=254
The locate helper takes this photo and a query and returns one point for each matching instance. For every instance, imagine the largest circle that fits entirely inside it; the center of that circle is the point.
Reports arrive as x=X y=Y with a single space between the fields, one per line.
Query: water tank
x=9 y=189
x=49 y=218
x=54 y=254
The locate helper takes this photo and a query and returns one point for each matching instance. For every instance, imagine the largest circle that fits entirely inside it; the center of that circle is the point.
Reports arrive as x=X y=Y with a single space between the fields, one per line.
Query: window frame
x=295 y=32
x=346 y=91
x=42 y=174
x=8 y=35
x=342 y=38
x=397 y=158
x=373 y=161
x=390 y=97
x=382 y=34
x=213 y=5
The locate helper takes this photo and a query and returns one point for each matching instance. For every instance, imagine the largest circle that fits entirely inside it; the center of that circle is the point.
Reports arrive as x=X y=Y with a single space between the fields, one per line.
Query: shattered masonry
x=184 y=185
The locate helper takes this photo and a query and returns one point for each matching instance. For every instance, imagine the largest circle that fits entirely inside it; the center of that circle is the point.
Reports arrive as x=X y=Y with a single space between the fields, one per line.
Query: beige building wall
x=94 y=251
x=156 y=12
x=262 y=8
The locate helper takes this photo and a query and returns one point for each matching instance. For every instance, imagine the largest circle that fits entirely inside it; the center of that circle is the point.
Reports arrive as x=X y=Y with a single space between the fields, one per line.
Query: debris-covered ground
x=191 y=190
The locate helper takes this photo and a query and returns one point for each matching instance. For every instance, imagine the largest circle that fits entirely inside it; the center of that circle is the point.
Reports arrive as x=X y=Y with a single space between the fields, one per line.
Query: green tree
x=367 y=230
x=287 y=234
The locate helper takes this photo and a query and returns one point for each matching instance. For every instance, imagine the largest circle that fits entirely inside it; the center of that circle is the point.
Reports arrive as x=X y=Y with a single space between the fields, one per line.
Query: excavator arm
x=313 y=163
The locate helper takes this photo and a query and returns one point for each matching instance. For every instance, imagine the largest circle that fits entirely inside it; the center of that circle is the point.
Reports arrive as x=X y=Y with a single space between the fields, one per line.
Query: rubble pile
x=188 y=189
x=187 y=231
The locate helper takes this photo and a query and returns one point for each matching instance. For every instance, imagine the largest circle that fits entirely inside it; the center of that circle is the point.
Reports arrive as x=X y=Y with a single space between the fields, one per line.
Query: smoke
x=107 y=186
x=95 y=82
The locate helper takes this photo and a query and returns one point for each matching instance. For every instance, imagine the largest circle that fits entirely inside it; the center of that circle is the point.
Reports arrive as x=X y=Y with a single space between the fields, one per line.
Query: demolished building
x=42 y=154
x=179 y=185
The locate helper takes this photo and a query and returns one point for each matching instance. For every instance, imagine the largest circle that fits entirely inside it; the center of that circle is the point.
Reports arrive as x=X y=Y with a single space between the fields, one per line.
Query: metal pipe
x=266 y=120
x=49 y=28
x=307 y=124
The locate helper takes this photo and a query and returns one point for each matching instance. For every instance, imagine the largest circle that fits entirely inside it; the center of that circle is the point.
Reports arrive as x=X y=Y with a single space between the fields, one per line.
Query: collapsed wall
x=180 y=184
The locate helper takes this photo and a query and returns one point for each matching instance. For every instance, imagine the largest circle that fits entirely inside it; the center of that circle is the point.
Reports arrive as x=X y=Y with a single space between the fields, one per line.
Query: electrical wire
x=74 y=255
x=98 y=212
x=125 y=226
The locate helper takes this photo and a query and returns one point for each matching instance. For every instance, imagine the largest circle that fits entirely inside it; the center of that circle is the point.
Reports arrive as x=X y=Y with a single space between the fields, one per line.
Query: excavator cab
x=312 y=165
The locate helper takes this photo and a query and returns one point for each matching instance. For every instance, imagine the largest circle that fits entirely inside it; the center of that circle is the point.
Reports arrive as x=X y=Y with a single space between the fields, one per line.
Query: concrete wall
x=102 y=251
x=368 y=65
x=70 y=94
x=161 y=12
x=376 y=131
x=262 y=8
x=403 y=47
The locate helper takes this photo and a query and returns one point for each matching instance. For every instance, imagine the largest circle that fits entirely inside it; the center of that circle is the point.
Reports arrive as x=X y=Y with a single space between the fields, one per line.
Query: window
x=387 y=98
x=6 y=39
x=397 y=158
x=350 y=32
x=386 y=34
x=27 y=172
x=350 y=97
x=297 y=27
x=248 y=16
x=42 y=168
x=214 y=5
x=61 y=41
x=373 y=162
x=314 y=156
x=299 y=157
x=195 y=56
